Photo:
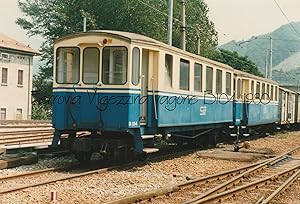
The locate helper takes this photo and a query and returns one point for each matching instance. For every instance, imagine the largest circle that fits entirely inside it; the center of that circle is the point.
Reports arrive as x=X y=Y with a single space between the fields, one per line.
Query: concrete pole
x=84 y=24
x=271 y=58
x=198 y=45
x=182 y=27
x=266 y=65
x=170 y=22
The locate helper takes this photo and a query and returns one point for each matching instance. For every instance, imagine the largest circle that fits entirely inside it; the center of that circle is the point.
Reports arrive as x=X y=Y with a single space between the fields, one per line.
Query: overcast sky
x=9 y=12
x=234 y=19
x=241 y=19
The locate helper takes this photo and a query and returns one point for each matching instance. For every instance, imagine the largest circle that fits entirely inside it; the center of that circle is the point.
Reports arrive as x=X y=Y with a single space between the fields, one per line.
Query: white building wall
x=12 y=95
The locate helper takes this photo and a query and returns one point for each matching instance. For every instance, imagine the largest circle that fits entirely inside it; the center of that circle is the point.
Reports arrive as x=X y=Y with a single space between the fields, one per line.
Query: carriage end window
x=198 y=77
x=114 y=65
x=91 y=65
x=184 y=78
x=67 y=65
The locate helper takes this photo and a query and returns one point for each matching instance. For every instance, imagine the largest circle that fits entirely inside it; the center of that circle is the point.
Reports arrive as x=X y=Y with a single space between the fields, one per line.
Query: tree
x=236 y=61
x=52 y=19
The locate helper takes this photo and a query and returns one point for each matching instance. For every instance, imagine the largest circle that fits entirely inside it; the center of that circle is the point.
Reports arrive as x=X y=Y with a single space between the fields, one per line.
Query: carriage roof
x=134 y=37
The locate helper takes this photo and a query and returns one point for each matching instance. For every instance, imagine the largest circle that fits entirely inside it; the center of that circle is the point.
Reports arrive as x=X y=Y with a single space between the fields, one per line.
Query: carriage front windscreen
x=114 y=62
x=67 y=65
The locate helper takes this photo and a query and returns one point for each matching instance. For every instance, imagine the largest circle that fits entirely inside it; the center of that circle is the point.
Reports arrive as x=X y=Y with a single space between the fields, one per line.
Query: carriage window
x=228 y=83
x=263 y=91
x=239 y=89
x=268 y=92
x=169 y=68
x=219 y=81
x=198 y=77
x=91 y=65
x=67 y=65
x=114 y=65
x=209 y=79
x=184 y=78
x=272 y=93
x=252 y=88
x=257 y=95
x=276 y=93
x=135 y=66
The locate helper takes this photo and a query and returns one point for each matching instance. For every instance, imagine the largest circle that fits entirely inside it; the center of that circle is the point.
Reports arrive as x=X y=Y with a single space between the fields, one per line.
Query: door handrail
x=154 y=99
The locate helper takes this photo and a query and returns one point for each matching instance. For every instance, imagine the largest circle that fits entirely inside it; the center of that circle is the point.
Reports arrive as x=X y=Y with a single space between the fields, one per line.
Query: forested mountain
x=286 y=52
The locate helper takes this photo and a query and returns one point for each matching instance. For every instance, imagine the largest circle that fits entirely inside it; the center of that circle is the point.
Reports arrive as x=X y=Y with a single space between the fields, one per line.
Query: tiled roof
x=7 y=42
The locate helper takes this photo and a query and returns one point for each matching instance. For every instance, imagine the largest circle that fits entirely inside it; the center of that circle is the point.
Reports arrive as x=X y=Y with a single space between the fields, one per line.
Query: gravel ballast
x=99 y=188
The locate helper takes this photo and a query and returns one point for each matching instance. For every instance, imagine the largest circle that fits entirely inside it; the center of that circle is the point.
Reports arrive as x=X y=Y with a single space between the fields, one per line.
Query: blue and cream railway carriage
x=122 y=87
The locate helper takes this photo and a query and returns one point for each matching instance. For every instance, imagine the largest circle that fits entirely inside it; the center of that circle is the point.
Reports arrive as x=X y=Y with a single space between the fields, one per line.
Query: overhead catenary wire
x=287 y=18
x=188 y=26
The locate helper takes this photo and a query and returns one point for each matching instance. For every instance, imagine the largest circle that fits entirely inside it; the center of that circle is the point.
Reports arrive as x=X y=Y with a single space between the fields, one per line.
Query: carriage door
x=246 y=95
x=149 y=83
x=144 y=86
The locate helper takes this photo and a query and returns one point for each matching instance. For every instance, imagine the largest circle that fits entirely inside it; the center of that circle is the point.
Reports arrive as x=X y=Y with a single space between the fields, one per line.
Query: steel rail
x=103 y=170
x=199 y=180
x=173 y=188
x=25 y=126
x=252 y=185
x=32 y=131
x=9 y=177
x=238 y=179
x=281 y=188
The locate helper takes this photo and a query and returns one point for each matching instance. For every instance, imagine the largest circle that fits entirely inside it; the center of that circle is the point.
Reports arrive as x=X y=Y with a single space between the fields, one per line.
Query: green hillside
x=286 y=45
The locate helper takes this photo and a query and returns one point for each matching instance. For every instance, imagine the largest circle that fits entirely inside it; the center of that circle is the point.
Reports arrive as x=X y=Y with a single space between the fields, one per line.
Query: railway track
x=259 y=183
x=18 y=182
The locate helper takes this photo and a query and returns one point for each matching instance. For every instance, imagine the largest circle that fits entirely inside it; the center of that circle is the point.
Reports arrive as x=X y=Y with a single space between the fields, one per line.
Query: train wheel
x=83 y=157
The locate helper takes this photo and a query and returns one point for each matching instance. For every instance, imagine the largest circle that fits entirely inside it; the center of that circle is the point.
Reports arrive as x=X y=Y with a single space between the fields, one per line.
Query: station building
x=16 y=62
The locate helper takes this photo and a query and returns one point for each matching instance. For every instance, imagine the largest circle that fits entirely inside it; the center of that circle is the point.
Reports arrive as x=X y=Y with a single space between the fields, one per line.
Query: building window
x=198 y=77
x=4 y=75
x=184 y=77
x=228 y=83
x=20 y=77
x=114 y=65
x=135 y=77
x=219 y=81
x=19 y=114
x=91 y=65
x=3 y=114
x=169 y=68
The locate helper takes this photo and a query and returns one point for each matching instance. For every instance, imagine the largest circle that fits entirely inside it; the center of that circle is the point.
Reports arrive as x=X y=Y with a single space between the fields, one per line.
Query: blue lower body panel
x=260 y=114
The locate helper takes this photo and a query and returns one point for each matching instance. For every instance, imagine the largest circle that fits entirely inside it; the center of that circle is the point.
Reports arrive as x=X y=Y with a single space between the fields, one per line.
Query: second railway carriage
x=256 y=100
